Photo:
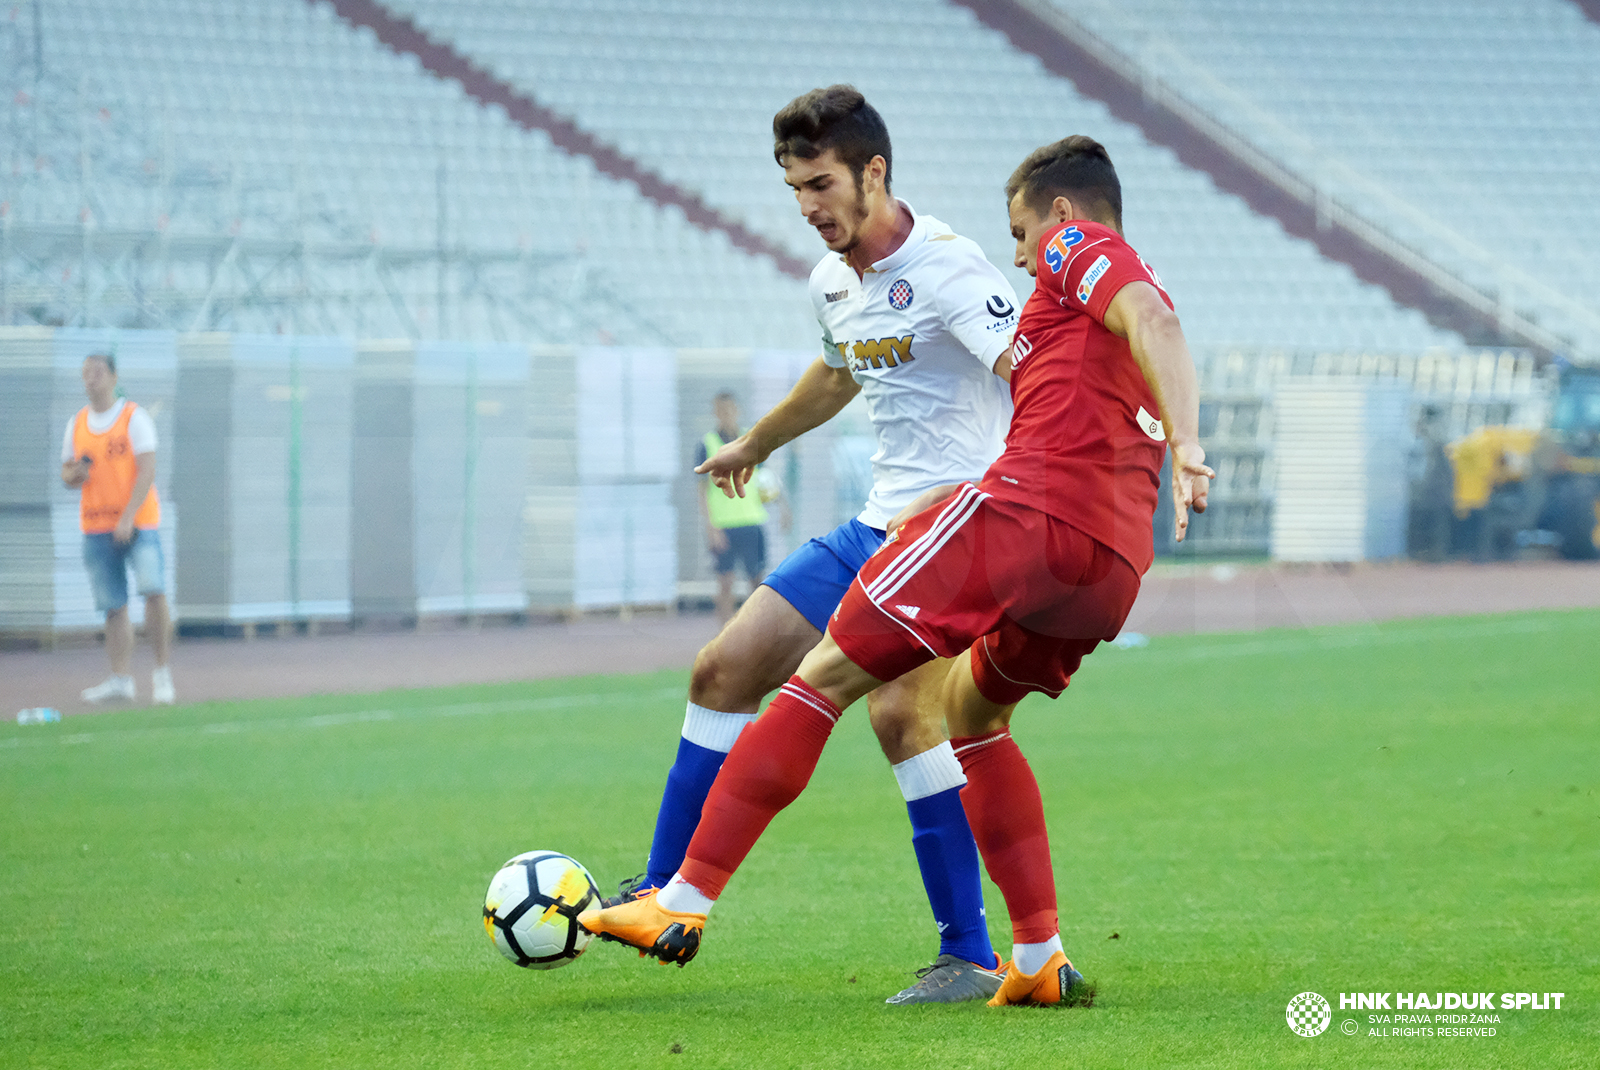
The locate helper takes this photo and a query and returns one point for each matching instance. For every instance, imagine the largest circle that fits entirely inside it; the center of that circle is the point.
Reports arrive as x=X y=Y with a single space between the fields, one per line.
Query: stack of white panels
x=1342 y=447
x=264 y=468
x=438 y=478
x=628 y=458
x=602 y=526
x=382 y=566
x=30 y=444
x=469 y=466
x=551 y=512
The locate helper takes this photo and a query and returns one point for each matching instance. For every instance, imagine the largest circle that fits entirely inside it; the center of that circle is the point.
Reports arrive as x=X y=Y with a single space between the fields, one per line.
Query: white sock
x=713 y=729
x=1029 y=959
x=681 y=897
x=929 y=773
x=122 y=677
x=161 y=672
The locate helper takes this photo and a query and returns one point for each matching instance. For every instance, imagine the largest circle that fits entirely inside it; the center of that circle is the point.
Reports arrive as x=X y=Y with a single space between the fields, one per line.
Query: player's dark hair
x=104 y=358
x=838 y=118
x=1077 y=168
x=726 y=395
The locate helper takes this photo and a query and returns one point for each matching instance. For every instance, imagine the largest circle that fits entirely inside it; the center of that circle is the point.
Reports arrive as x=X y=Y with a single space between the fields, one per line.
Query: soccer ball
x=531 y=911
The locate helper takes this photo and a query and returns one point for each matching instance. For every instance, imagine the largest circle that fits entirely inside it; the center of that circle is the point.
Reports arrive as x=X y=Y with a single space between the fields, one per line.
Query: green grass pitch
x=1237 y=819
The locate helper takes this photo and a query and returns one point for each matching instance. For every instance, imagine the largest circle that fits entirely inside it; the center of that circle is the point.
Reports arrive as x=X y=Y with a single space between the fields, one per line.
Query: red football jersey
x=1086 y=442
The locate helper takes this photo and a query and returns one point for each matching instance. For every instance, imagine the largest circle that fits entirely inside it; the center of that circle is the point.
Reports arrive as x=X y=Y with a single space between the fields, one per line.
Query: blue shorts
x=107 y=561
x=815 y=576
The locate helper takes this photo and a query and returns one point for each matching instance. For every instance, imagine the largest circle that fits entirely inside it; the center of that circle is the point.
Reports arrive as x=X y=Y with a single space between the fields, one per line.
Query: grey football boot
x=948 y=979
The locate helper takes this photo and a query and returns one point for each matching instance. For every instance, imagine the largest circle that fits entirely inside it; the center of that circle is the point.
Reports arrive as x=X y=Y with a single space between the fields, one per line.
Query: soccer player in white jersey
x=916 y=319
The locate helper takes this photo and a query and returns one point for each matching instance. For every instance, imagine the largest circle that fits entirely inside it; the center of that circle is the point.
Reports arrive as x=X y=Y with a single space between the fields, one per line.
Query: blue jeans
x=107 y=562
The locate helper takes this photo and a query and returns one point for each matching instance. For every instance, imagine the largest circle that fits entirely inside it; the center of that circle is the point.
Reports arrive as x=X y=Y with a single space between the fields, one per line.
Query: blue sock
x=948 y=858
x=708 y=736
x=688 y=783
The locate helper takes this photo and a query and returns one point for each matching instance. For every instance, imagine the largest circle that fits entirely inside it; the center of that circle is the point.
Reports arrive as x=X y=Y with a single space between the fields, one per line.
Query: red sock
x=767 y=769
x=1007 y=818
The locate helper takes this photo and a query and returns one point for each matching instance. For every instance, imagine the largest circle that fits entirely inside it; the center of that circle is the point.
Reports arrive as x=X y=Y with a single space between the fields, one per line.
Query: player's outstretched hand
x=730 y=467
x=1191 y=483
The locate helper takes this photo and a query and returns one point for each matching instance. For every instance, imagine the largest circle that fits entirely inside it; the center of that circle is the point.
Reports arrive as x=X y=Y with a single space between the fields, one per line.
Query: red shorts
x=1030 y=594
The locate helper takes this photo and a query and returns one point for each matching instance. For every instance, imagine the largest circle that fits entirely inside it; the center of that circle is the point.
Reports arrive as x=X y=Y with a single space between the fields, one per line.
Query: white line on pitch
x=332 y=720
x=1345 y=640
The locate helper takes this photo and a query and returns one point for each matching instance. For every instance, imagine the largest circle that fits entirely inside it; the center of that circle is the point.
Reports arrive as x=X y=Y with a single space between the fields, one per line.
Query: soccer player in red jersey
x=1027 y=571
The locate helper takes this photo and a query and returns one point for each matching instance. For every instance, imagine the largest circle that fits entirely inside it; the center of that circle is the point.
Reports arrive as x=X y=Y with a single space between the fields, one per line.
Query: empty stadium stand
x=689 y=88
x=1468 y=130
x=191 y=164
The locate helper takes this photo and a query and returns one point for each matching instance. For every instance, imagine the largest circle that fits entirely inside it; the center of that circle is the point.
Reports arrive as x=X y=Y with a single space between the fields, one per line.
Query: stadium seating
x=1469 y=130
x=279 y=117
x=285 y=118
x=704 y=77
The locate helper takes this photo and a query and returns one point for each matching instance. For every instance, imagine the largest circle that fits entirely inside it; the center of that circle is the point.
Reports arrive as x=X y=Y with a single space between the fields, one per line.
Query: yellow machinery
x=1515 y=485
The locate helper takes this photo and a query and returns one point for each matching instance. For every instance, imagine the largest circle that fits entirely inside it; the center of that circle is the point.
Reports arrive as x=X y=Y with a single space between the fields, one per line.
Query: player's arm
x=1002 y=365
x=817 y=398
x=716 y=538
x=144 y=475
x=978 y=307
x=1138 y=314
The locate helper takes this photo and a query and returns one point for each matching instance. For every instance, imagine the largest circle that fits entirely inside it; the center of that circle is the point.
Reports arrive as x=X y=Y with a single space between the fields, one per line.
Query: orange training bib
x=112 y=471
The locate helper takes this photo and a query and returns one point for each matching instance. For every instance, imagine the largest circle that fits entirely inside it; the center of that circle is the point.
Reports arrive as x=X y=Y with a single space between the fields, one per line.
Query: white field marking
x=330 y=720
x=1370 y=636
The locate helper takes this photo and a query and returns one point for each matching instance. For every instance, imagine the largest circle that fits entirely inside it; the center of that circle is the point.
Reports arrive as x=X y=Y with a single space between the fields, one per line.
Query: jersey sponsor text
x=879 y=352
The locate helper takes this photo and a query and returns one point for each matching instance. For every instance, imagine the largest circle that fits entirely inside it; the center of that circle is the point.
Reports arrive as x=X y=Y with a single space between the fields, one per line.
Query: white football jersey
x=920 y=331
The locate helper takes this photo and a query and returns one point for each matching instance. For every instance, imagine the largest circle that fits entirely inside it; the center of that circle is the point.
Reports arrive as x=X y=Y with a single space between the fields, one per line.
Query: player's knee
x=718 y=682
x=904 y=730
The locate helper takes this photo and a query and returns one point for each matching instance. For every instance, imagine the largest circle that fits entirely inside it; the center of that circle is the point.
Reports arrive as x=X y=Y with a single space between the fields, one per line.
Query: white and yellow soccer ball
x=531 y=911
x=768 y=485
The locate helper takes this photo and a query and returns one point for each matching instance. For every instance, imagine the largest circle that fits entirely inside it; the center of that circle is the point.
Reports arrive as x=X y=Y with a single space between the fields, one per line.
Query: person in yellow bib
x=109 y=453
x=734 y=531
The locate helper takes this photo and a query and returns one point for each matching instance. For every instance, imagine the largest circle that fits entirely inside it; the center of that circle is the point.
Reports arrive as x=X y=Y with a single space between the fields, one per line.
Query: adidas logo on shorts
x=910 y=611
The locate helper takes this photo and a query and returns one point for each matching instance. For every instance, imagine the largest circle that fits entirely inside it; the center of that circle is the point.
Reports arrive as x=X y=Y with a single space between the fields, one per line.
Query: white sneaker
x=161 y=692
x=110 y=689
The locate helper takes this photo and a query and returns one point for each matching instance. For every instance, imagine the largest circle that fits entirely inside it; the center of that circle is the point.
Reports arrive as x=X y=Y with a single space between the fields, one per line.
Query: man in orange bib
x=110 y=452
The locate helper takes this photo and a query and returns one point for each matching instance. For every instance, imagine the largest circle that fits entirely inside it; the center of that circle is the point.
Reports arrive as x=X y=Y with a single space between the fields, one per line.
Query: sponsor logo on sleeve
x=1020 y=348
x=1095 y=273
x=1004 y=313
x=1151 y=426
x=1055 y=253
x=836 y=295
x=900 y=295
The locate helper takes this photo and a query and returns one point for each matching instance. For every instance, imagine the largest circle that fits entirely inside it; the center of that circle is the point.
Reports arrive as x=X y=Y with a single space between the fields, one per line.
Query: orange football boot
x=1057 y=982
x=641 y=923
